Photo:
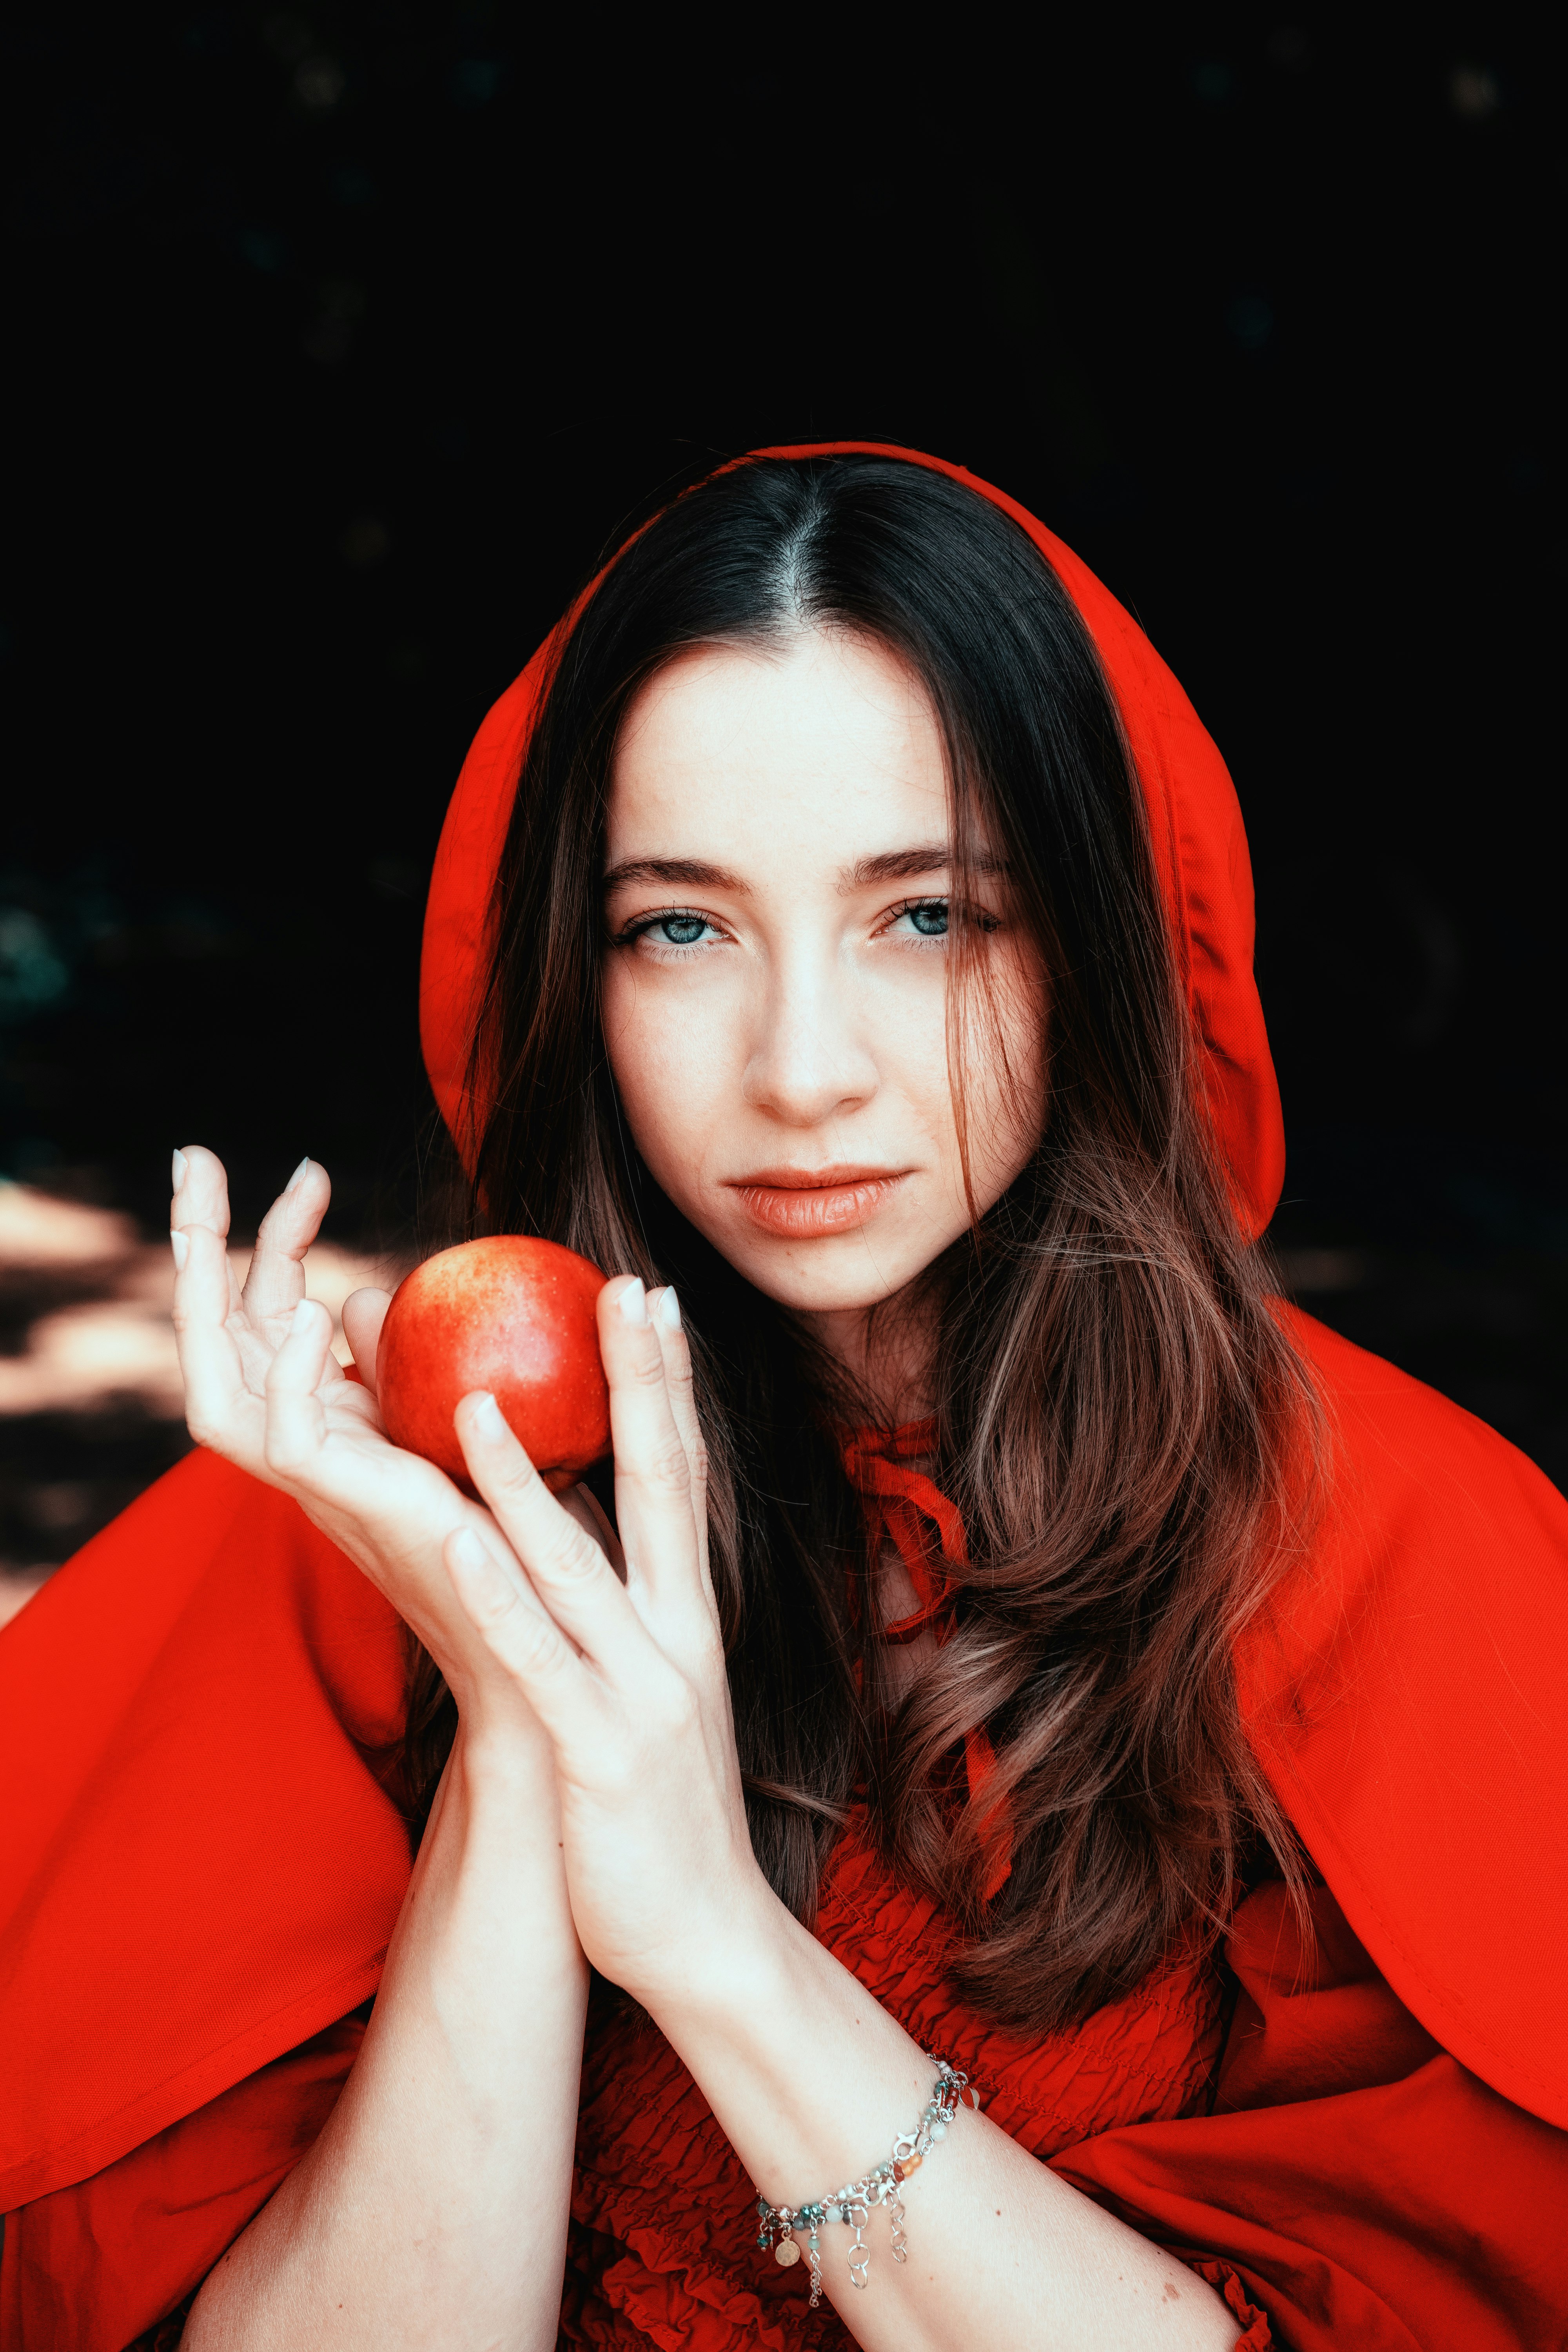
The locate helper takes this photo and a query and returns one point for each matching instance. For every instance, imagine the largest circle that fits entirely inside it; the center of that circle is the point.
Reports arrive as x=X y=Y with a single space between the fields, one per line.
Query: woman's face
x=776 y=903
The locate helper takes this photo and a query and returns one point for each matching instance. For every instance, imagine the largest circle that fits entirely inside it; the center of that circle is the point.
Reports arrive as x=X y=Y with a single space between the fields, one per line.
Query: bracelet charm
x=782 y=2226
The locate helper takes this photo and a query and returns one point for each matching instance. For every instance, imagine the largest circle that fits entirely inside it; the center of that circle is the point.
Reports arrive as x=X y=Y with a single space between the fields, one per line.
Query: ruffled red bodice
x=663 y=2245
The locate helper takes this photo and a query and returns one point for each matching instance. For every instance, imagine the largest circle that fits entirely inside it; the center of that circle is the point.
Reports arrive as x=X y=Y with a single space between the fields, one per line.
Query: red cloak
x=203 y=1862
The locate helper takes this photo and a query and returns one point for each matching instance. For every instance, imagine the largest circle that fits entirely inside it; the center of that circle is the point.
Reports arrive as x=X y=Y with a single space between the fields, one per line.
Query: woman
x=1026 y=1658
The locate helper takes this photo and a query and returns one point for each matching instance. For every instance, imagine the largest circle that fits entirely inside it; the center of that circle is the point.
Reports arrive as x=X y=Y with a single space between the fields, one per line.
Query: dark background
x=345 y=340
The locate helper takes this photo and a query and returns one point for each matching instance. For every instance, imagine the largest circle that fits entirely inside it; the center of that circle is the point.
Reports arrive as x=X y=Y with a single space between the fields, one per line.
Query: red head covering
x=1194 y=824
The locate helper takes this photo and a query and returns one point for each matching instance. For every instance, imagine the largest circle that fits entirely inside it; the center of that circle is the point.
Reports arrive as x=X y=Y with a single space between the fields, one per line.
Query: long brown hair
x=1121 y=1419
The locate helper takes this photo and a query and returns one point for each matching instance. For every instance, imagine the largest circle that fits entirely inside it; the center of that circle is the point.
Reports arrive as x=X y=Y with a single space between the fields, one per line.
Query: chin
x=845 y=1274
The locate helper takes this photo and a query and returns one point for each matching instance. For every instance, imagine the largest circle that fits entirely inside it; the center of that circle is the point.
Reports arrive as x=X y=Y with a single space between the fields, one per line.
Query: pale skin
x=776 y=1009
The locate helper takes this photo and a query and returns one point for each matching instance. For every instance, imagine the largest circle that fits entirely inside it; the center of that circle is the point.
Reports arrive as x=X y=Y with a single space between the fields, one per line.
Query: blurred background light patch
x=91 y=1404
x=262 y=248
x=1289 y=47
x=31 y=974
x=1250 y=319
x=1475 y=92
x=1214 y=81
x=476 y=80
x=320 y=83
x=364 y=541
x=341 y=307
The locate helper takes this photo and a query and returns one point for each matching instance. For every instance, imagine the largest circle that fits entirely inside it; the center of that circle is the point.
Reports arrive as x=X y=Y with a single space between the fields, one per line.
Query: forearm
x=810 y=2079
x=432 y=2211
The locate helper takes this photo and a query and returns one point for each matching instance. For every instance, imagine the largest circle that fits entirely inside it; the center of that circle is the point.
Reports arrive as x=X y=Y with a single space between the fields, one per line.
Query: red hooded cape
x=202 y=1865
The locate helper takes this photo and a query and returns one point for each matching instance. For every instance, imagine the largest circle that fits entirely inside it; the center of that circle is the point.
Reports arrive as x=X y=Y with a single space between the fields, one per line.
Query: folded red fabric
x=901 y=1506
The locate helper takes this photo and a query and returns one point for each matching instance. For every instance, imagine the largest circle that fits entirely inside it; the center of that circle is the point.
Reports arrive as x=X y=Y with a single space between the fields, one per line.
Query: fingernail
x=632 y=1304
x=668 y=1309
x=465 y=1549
x=182 y=1250
x=488 y=1421
x=177 y=1167
x=302 y=1314
x=298 y=1177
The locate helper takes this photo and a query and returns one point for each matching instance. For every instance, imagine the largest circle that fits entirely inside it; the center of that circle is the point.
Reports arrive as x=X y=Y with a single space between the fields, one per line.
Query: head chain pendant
x=781 y=2225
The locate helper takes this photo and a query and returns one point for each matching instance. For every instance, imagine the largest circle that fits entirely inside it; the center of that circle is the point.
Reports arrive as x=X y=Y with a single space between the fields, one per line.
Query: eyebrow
x=907 y=864
x=694 y=870
x=891 y=866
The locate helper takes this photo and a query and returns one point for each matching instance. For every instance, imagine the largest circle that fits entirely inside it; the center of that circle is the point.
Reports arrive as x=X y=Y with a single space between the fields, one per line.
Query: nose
x=809 y=1058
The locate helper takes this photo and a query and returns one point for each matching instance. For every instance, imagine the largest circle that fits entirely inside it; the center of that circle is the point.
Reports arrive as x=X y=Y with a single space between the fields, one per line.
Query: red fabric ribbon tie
x=901 y=1506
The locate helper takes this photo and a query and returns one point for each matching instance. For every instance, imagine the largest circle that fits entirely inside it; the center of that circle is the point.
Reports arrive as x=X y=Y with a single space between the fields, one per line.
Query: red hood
x=1195 y=822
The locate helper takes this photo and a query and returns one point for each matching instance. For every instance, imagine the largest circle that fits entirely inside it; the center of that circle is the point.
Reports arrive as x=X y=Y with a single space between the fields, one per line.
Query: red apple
x=511 y=1315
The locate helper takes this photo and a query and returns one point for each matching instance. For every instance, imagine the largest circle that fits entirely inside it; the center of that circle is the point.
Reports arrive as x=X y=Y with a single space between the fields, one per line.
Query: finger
x=200 y=1190
x=364 y=1312
x=663 y=1308
x=200 y=1198
x=276 y=1283
x=664 y=1312
x=520 y=1634
x=655 y=1504
x=566 y=1566
x=584 y=1506
x=296 y=1423
x=215 y=1391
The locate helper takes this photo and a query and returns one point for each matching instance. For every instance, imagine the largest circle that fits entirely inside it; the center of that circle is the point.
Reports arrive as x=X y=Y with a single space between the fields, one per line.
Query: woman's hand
x=628 y=1679
x=263 y=1388
x=432 y=2209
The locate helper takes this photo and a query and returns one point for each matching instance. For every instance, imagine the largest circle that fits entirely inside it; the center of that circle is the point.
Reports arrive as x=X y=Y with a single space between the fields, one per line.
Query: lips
x=802 y=1203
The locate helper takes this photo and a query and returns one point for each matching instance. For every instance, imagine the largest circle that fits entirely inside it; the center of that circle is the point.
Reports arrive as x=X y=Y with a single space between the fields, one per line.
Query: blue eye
x=930 y=919
x=680 y=930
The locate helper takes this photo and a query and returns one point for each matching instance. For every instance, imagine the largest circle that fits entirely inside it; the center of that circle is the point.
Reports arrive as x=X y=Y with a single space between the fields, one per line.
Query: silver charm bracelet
x=782 y=2225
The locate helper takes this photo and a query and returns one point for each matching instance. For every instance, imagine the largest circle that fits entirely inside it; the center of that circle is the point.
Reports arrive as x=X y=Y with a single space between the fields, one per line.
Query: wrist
x=756 y=2023
x=501 y=1746
x=740 y=1956
x=502 y=1787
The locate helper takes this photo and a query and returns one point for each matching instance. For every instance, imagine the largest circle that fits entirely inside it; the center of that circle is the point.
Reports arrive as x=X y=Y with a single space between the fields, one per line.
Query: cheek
x=670 y=1073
